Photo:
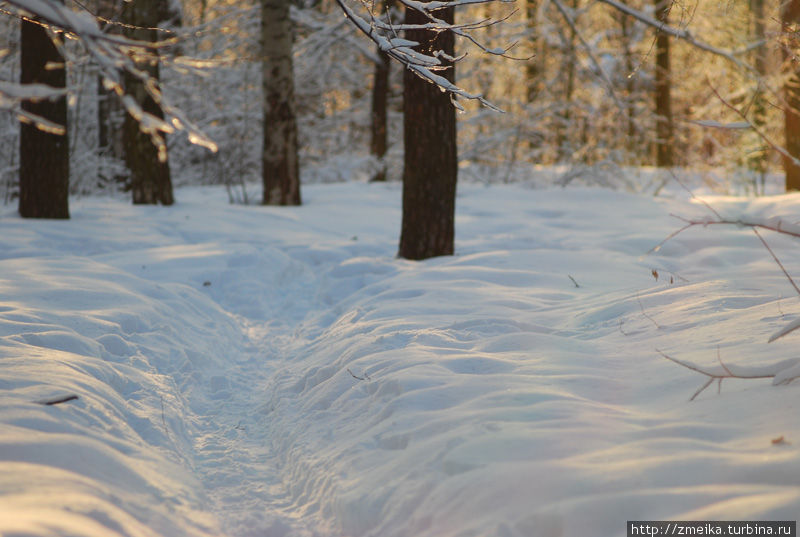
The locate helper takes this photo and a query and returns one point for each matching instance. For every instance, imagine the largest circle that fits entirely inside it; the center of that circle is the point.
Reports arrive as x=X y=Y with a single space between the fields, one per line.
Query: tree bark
x=151 y=182
x=378 y=130
x=757 y=159
x=430 y=166
x=44 y=156
x=110 y=113
x=281 y=168
x=663 y=88
x=790 y=18
x=533 y=69
x=630 y=143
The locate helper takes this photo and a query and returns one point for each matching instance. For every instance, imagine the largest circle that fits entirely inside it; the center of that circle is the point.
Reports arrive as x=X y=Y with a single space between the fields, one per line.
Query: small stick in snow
x=573 y=281
x=641 y=306
x=365 y=377
x=58 y=401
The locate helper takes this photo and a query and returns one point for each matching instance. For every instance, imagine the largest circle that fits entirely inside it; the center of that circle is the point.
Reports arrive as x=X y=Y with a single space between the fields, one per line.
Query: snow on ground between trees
x=277 y=371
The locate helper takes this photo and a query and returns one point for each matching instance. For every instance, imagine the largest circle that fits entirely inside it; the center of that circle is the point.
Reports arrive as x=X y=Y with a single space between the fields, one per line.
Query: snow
x=247 y=370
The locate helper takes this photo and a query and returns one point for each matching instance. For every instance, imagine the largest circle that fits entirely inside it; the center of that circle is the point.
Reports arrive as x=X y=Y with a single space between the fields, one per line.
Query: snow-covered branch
x=386 y=36
x=678 y=33
x=113 y=55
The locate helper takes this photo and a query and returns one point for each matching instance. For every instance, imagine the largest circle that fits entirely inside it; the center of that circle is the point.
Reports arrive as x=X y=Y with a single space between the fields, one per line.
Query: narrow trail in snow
x=234 y=460
x=233 y=456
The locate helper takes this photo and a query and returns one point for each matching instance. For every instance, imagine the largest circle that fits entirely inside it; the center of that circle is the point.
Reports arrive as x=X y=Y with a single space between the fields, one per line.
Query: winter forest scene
x=398 y=268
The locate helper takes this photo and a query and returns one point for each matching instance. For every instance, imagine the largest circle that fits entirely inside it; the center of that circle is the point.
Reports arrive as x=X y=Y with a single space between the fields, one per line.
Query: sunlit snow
x=263 y=371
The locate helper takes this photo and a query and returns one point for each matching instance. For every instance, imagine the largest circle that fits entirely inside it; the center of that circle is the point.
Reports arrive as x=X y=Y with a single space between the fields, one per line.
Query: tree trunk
x=150 y=176
x=533 y=67
x=110 y=113
x=630 y=143
x=790 y=18
x=281 y=169
x=430 y=167
x=43 y=156
x=564 y=147
x=757 y=159
x=663 y=88
x=378 y=131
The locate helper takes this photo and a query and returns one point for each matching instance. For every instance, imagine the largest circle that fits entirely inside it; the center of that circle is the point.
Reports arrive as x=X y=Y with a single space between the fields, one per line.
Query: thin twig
x=58 y=401
x=645 y=313
x=778 y=261
x=712 y=376
x=602 y=74
x=691 y=194
x=780 y=149
x=365 y=377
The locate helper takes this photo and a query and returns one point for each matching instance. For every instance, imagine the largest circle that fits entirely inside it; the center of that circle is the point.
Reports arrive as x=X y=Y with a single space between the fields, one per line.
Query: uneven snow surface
x=277 y=372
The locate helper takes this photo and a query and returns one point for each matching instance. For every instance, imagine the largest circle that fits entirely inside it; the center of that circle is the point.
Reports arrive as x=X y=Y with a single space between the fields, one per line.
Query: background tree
x=663 y=91
x=145 y=146
x=757 y=158
x=790 y=19
x=43 y=142
x=281 y=168
x=430 y=165
x=110 y=113
x=379 y=125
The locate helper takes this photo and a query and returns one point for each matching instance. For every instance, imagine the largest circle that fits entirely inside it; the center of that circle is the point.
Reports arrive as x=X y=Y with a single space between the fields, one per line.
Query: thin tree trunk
x=790 y=18
x=110 y=114
x=151 y=182
x=663 y=88
x=630 y=88
x=44 y=156
x=563 y=127
x=533 y=67
x=757 y=161
x=281 y=169
x=379 y=131
x=430 y=168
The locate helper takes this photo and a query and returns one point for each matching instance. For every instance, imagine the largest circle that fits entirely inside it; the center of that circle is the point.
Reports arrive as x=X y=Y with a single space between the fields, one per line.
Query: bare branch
x=780 y=149
x=684 y=35
x=775 y=371
x=609 y=86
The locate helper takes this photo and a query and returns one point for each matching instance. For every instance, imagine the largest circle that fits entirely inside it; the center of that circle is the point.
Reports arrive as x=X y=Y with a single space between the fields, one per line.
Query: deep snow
x=257 y=371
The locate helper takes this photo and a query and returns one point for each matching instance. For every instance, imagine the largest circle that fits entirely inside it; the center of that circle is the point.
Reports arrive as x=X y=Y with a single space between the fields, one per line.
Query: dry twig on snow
x=782 y=372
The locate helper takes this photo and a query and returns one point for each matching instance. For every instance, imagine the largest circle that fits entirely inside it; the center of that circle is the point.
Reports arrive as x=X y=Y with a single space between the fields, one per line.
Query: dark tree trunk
x=790 y=18
x=145 y=153
x=430 y=166
x=533 y=70
x=663 y=88
x=281 y=168
x=378 y=131
x=44 y=156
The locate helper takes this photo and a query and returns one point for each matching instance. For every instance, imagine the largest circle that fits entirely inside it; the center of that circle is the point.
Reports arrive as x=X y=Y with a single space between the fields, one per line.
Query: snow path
x=253 y=371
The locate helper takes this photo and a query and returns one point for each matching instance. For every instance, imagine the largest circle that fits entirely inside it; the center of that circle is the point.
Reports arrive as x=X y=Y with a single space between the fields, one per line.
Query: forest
x=593 y=90
x=358 y=268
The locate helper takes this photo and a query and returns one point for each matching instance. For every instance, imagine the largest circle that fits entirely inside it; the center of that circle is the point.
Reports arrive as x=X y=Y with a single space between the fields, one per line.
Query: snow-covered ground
x=277 y=372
